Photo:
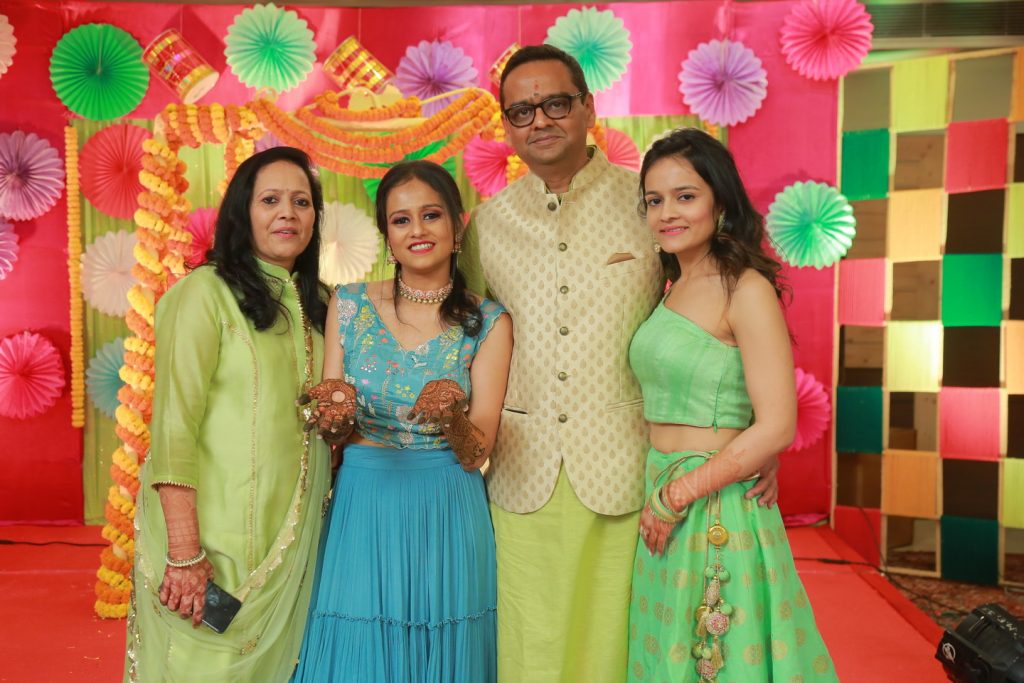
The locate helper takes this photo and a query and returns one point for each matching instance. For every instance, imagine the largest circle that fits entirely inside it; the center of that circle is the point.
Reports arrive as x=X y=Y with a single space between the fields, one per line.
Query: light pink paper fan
x=110 y=163
x=813 y=412
x=723 y=82
x=7 y=43
x=31 y=375
x=825 y=39
x=31 y=176
x=107 y=272
x=621 y=149
x=202 y=223
x=484 y=162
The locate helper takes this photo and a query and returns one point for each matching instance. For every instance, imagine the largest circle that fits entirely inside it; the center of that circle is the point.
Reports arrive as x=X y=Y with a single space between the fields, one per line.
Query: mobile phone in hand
x=220 y=608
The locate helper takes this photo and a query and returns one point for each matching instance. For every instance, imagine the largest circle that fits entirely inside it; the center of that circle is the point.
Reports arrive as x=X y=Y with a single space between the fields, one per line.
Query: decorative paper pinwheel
x=433 y=68
x=202 y=223
x=825 y=39
x=598 y=40
x=812 y=411
x=484 y=162
x=110 y=163
x=107 y=272
x=621 y=149
x=723 y=82
x=103 y=379
x=31 y=375
x=811 y=224
x=7 y=43
x=97 y=71
x=268 y=47
x=8 y=248
x=31 y=176
x=349 y=244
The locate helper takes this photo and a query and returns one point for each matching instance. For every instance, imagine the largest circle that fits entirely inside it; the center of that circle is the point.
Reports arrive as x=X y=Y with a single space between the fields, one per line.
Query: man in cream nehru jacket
x=565 y=251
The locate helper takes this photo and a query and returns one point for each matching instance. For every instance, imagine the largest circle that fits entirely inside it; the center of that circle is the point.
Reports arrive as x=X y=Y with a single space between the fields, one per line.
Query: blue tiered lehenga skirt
x=405 y=589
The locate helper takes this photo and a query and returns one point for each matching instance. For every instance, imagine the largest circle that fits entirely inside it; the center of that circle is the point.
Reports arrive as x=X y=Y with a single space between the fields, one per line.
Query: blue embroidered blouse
x=388 y=378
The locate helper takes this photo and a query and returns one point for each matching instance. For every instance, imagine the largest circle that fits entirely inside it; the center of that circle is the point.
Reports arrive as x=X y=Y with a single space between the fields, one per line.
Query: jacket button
x=552 y=206
x=562 y=376
x=564 y=289
x=563 y=418
x=562 y=246
x=564 y=331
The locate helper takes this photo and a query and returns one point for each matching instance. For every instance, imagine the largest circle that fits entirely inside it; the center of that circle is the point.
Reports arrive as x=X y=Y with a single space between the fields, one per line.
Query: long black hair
x=460 y=308
x=738 y=245
x=233 y=255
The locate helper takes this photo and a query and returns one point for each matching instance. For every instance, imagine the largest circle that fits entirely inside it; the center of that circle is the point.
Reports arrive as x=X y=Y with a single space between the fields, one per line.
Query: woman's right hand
x=335 y=415
x=183 y=590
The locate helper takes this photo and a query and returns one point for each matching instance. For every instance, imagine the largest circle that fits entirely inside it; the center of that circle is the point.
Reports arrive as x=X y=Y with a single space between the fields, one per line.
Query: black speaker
x=985 y=648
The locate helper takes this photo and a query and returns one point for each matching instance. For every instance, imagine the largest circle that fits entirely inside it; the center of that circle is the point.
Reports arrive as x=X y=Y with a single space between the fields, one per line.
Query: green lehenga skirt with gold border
x=771 y=634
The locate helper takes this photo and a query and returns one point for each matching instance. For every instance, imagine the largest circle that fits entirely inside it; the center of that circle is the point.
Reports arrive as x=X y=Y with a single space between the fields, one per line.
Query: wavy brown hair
x=740 y=243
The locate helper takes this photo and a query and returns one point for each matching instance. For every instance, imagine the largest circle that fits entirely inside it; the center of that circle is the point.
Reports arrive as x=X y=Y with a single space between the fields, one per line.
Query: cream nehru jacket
x=578 y=276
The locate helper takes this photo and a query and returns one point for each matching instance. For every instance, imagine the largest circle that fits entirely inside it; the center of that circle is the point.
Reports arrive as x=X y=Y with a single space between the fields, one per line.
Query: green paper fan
x=371 y=184
x=268 y=47
x=811 y=224
x=97 y=71
x=598 y=40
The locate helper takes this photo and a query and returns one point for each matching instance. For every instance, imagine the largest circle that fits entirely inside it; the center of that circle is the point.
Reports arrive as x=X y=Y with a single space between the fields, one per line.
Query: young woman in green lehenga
x=715 y=595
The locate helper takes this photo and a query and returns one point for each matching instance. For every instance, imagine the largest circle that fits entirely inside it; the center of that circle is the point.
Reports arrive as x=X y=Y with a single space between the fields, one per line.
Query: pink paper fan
x=812 y=411
x=31 y=375
x=8 y=249
x=31 y=176
x=621 y=149
x=484 y=162
x=202 y=224
x=110 y=163
x=723 y=82
x=825 y=39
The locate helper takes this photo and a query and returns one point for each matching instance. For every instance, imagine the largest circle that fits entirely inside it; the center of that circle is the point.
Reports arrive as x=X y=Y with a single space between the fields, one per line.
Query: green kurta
x=225 y=423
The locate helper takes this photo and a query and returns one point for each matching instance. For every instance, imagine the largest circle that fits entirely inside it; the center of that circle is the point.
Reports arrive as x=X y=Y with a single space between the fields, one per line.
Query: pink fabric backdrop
x=792 y=137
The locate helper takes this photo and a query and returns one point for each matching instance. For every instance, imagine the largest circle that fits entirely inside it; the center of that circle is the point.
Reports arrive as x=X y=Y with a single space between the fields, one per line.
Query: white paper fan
x=349 y=244
x=107 y=272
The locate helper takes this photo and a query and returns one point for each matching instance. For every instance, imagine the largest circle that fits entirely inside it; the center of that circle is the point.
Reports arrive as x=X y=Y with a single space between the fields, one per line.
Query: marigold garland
x=75 y=277
x=163 y=243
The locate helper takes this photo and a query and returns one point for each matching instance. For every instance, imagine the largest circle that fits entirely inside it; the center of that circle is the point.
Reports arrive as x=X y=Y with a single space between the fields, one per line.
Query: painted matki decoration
x=351 y=65
x=179 y=66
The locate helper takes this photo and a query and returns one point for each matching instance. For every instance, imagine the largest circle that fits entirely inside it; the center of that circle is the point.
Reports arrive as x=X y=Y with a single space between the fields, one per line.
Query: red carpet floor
x=48 y=632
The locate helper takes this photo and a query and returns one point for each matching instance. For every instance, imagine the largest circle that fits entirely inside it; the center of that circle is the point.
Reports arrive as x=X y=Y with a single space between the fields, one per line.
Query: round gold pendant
x=718 y=535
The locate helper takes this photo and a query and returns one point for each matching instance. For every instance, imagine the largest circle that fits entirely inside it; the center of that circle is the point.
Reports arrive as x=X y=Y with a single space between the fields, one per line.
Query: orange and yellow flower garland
x=75 y=277
x=162 y=242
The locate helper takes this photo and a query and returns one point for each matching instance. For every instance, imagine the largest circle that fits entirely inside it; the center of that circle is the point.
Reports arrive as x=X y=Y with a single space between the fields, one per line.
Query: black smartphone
x=220 y=608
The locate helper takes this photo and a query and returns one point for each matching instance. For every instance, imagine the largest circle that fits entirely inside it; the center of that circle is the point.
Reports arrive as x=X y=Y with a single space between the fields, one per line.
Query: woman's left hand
x=653 y=531
x=438 y=402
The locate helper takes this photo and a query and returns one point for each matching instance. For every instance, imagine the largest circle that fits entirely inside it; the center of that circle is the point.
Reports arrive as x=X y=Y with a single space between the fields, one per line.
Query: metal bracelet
x=192 y=561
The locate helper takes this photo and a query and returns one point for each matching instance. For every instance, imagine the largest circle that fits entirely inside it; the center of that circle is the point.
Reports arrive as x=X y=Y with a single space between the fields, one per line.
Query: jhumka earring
x=657 y=248
x=390 y=258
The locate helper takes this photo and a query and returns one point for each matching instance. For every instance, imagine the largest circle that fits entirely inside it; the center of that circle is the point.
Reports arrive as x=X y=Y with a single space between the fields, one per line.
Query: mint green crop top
x=687 y=375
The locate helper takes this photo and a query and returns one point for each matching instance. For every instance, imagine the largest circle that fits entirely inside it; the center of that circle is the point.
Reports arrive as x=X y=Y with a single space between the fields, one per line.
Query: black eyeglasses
x=555 y=107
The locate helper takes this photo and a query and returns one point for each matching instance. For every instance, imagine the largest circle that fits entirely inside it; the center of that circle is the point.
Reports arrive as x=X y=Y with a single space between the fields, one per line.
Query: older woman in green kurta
x=233 y=488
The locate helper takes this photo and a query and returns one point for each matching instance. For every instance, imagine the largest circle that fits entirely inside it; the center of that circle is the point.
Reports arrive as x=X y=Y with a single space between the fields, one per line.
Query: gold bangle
x=190 y=562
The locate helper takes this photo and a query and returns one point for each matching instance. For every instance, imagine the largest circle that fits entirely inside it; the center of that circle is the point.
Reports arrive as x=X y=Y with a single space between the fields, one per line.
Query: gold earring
x=721 y=222
x=657 y=248
x=457 y=249
x=390 y=258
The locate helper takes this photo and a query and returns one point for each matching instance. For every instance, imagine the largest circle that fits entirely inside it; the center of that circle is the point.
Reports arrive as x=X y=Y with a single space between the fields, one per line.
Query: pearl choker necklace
x=424 y=296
